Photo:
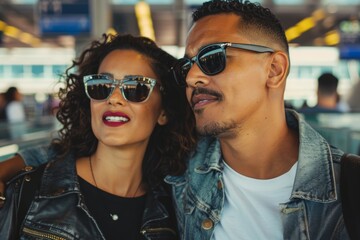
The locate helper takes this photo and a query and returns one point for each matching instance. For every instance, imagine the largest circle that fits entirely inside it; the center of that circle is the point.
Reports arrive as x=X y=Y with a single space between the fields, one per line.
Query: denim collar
x=315 y=175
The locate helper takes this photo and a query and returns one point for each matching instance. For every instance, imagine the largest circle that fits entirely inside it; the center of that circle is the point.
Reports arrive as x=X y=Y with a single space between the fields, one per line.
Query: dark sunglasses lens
x=181 y=70
x=212 y=59
x=99 y=91
x=136 y=90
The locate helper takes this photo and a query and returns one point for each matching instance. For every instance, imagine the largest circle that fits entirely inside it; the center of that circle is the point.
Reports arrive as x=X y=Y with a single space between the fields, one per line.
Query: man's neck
x=265 y=152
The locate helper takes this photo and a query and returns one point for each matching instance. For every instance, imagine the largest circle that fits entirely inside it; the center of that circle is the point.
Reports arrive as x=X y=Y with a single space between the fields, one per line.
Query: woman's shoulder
x=28 y=174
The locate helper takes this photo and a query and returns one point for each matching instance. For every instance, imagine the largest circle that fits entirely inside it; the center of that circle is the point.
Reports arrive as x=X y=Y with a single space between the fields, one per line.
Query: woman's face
x=120 y=123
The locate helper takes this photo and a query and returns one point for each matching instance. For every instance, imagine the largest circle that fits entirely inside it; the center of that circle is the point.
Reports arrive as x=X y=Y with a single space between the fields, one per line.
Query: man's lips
x=202 y=96
x=200 y=100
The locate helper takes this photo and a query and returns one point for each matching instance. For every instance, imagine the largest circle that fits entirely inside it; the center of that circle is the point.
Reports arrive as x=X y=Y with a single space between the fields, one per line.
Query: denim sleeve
x=37 y=155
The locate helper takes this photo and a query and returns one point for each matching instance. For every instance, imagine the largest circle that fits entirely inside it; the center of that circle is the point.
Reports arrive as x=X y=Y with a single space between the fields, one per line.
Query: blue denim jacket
x=59 y=195
x=314 y=207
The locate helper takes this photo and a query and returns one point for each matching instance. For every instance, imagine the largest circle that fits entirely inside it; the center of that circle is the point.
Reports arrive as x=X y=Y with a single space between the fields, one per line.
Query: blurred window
x=306 y=72
x=17 y=71
x=199 y=2
x=294 y=72
x=342 y=71
x=133 y=2
x=23 y=1
x=58 y=70
x=2 y=71
x=342 y=2
x=37 y=70
x=289 y=2
x=324 y=69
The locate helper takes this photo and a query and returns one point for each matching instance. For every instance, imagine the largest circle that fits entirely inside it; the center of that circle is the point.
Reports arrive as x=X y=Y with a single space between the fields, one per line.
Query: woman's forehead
x=124 y=62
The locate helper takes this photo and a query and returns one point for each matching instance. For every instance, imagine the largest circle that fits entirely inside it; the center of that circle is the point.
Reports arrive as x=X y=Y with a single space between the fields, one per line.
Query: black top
x=102 y=205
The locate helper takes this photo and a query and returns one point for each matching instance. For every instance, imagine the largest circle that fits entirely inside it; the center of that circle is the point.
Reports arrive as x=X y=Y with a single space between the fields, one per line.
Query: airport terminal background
x=39 y=39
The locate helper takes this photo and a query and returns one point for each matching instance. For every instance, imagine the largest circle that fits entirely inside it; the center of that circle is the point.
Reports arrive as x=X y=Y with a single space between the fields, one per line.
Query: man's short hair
x=327 y=84
x=253 y=16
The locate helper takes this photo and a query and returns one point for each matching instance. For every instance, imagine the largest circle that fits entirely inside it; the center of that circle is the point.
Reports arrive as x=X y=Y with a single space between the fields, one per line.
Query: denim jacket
x=314 y=207
x=59 y=195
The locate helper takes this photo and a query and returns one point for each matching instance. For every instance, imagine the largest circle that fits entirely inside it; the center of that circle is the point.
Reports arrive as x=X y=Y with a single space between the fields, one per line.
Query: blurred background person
x=2 y=107
x=328 y=98
x=354 y=98
x=15 y=112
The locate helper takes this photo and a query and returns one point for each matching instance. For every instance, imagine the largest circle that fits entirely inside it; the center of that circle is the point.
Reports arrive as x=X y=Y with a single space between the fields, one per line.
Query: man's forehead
x=202 y=34
x=221 y=24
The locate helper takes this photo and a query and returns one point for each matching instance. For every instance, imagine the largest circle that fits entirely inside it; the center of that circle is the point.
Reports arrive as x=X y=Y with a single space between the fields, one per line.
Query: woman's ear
x=162 y=119
x=278 y=70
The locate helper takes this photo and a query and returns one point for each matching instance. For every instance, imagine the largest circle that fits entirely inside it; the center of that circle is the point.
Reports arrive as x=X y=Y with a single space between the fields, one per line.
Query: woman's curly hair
x=169 y=145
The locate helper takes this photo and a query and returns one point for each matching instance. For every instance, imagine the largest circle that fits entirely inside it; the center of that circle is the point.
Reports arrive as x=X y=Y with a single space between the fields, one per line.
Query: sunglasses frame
x=223 y=45
x=118 y=83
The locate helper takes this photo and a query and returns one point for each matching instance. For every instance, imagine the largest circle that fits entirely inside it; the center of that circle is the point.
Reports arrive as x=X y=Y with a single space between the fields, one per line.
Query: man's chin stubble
x=216 y=129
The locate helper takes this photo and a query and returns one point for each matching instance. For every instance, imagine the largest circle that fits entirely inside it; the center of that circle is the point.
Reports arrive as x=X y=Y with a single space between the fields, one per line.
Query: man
x=260 y=172
x=327 y=96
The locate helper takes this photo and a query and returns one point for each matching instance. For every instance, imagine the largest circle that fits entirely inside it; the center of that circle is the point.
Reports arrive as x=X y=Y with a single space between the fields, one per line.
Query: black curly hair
x=254 y=17
x=169 y=145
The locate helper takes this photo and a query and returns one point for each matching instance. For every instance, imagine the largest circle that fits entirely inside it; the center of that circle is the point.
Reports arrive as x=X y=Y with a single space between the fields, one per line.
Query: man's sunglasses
x=211 y=59
x=99 y=87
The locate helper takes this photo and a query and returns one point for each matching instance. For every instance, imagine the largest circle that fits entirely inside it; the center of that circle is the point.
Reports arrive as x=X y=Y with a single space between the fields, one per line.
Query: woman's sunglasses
x=99 y=87
x=211 y=59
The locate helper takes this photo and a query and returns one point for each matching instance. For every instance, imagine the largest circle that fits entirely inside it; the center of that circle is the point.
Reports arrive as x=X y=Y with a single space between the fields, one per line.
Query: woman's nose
x=116 y=97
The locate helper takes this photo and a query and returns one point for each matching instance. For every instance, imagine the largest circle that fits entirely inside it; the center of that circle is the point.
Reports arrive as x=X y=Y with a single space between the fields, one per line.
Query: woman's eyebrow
x=108 y=74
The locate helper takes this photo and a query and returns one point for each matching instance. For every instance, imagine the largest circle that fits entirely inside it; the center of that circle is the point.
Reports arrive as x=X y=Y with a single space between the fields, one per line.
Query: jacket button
x=207 y=224
x=28 y=168
x=219 y=185
x=27 y=178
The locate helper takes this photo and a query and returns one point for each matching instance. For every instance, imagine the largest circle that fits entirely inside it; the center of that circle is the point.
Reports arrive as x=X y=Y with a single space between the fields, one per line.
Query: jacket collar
x=155 y=208
x=59 y=177
x=315 y=176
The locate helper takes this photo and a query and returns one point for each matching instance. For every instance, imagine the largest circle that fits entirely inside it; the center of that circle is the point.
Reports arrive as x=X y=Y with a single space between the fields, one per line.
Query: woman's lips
x=114 y=119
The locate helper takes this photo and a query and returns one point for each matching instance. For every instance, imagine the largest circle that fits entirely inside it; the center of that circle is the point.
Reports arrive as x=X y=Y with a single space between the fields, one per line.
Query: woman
x=123 y=131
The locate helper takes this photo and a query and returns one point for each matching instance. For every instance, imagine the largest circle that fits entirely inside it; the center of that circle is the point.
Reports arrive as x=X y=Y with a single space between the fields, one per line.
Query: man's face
x=233 y=99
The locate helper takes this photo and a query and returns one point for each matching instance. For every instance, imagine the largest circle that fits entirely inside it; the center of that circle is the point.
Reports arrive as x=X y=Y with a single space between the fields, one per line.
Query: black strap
x=350 y=193
x=30 y=183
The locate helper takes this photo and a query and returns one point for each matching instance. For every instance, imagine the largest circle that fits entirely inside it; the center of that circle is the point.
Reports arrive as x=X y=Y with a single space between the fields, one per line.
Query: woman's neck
x=117 y=171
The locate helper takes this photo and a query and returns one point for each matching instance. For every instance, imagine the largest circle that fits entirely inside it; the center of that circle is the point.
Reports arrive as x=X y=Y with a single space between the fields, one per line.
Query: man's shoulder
x=350 y=194
x=27 y=172
x=336 y=154
x=207 y=153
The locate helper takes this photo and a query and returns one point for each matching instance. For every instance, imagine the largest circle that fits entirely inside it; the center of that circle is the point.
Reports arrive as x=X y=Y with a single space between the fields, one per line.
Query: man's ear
x=279 y=67
x=162 y=119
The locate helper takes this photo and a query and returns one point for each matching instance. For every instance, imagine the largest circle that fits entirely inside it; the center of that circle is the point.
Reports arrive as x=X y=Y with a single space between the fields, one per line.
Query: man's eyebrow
x=186 y=56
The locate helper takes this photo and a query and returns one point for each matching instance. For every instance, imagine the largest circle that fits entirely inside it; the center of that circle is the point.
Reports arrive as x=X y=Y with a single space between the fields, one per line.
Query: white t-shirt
x=251 y=208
